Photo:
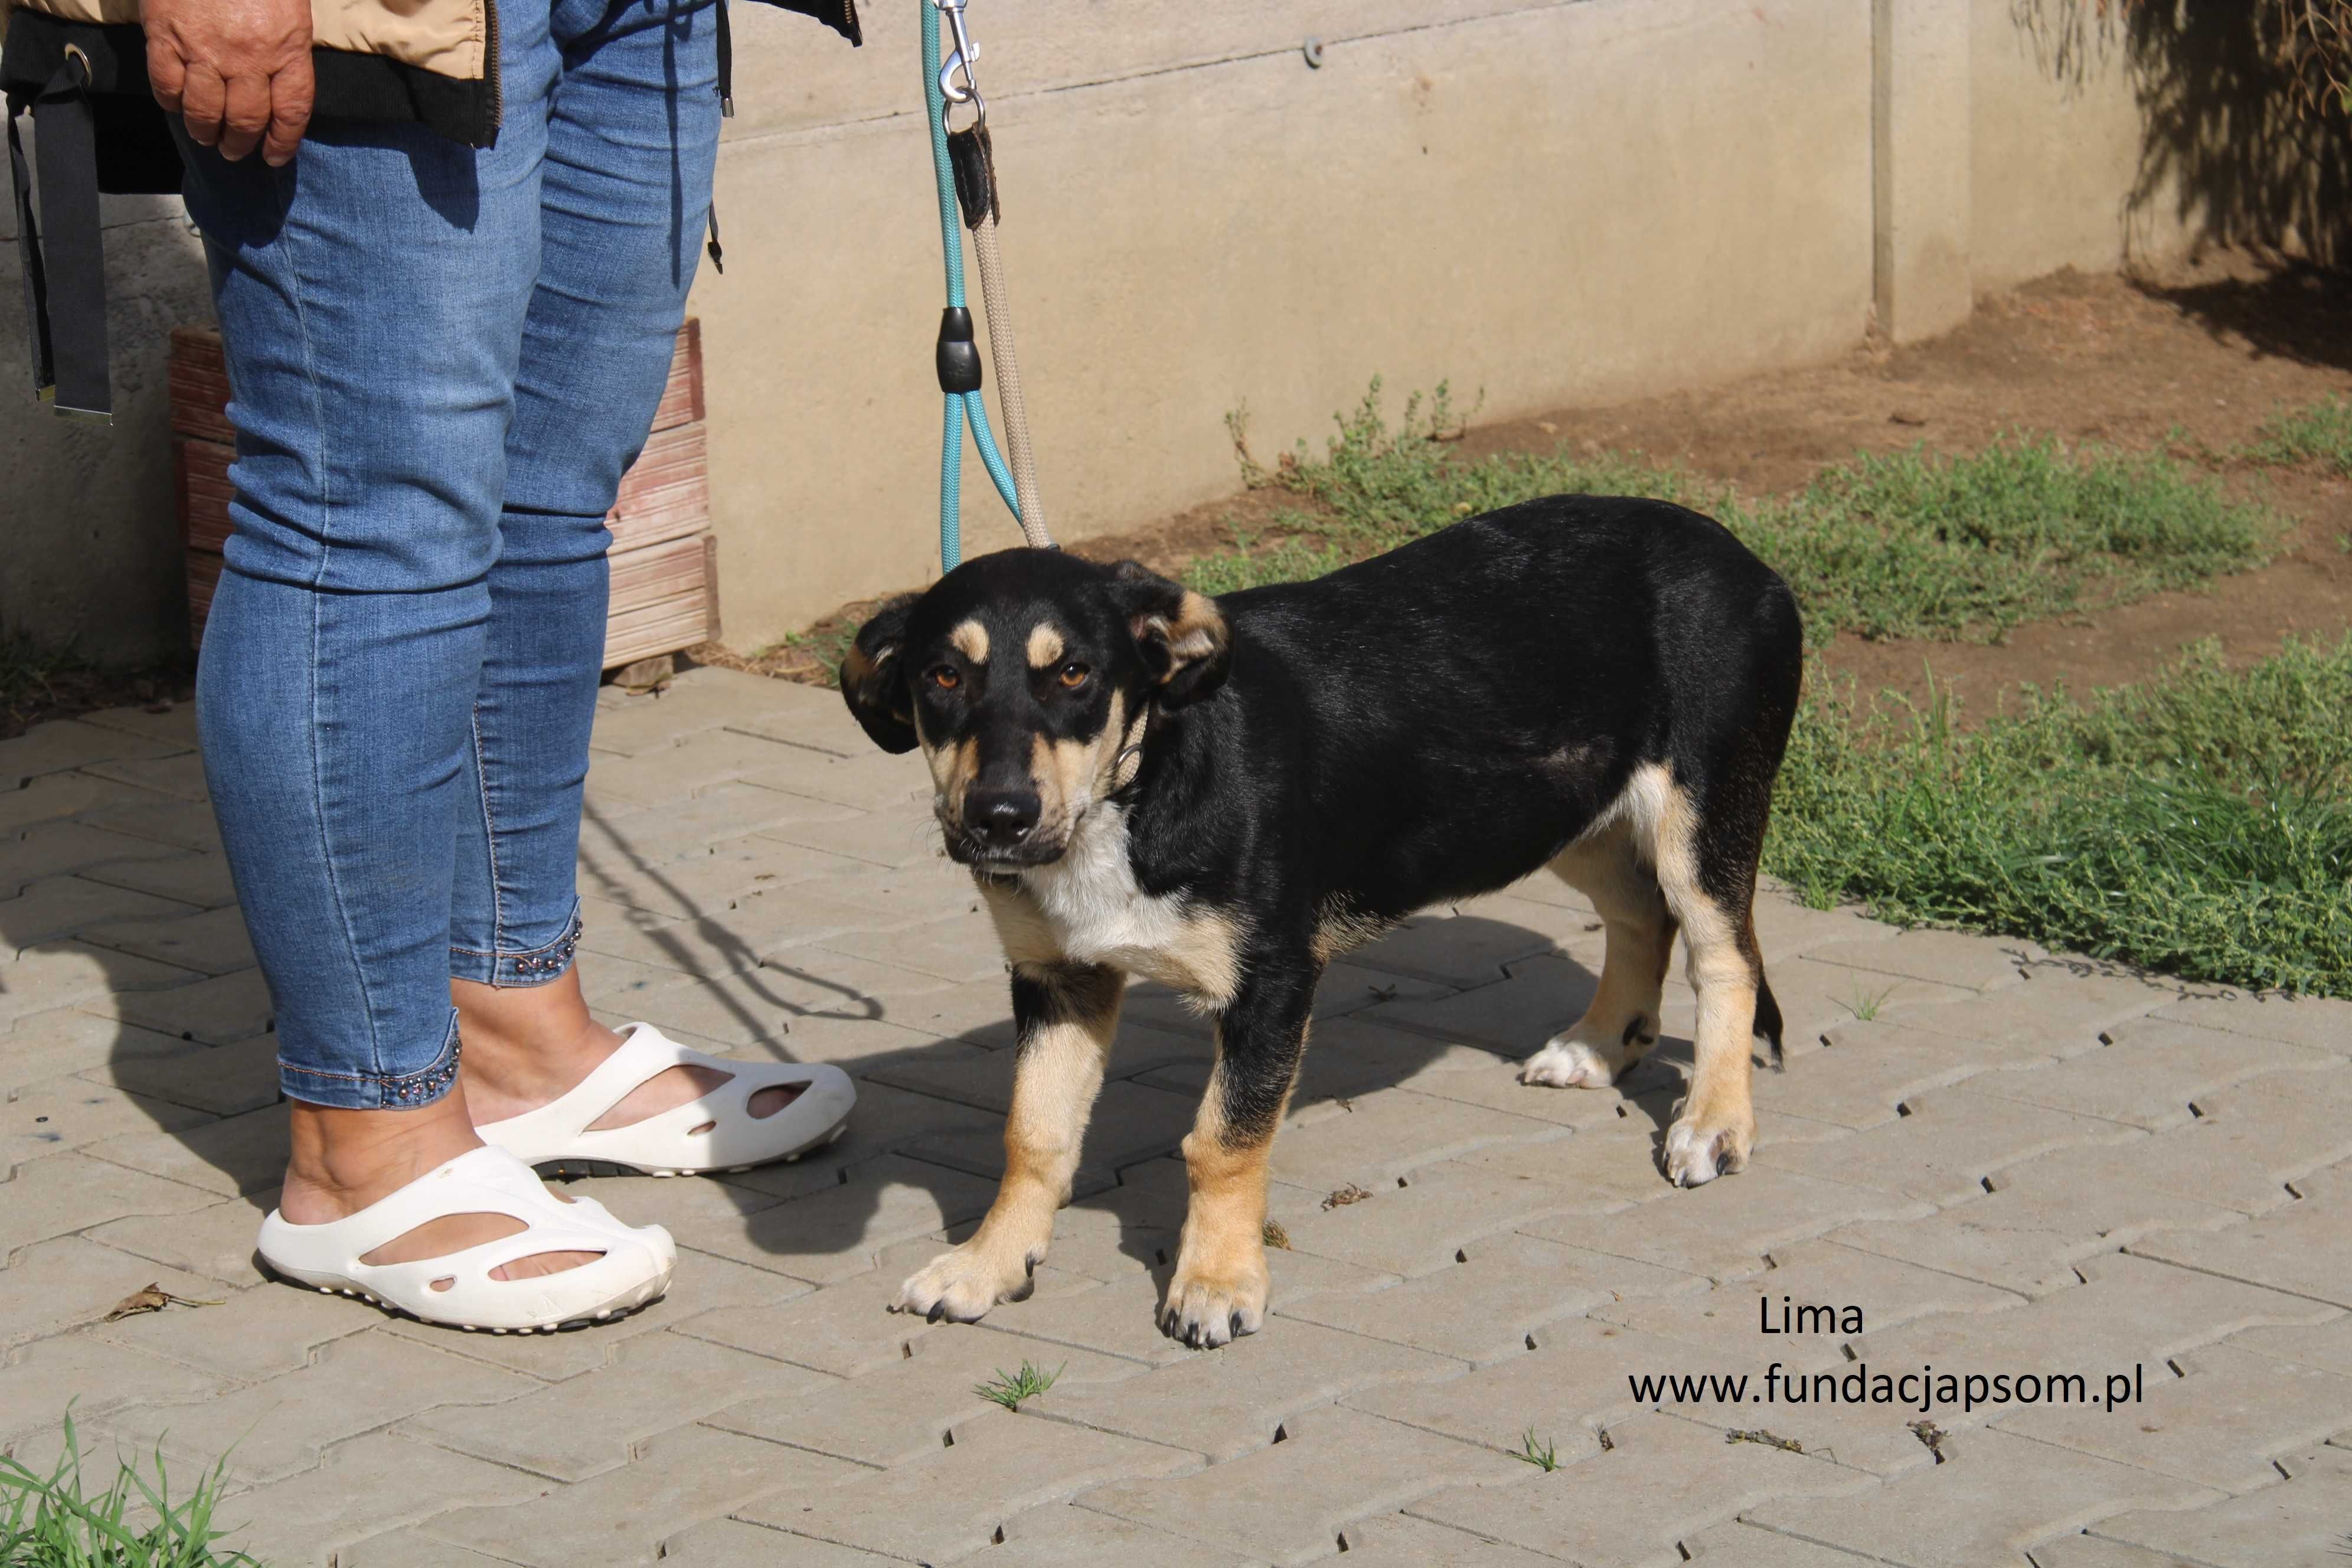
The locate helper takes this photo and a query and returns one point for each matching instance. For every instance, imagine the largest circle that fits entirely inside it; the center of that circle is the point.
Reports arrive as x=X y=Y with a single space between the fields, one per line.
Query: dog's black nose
x=1001 y=817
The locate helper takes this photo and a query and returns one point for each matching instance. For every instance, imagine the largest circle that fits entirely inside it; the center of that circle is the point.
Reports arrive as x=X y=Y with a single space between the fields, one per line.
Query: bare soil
x=2191 y=358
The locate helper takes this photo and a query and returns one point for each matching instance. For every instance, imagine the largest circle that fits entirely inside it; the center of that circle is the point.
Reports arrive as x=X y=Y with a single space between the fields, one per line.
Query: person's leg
x=632 y=136
x=372 y=297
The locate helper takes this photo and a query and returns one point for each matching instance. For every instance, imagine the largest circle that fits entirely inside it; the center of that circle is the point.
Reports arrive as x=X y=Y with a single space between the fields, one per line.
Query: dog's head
x=1023 y=676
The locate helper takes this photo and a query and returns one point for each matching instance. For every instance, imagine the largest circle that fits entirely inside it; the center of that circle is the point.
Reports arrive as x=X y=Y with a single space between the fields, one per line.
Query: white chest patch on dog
x=1095 y=912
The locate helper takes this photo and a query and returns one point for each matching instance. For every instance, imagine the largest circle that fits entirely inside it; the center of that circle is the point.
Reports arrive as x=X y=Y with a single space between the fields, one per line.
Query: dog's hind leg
x=1219 y=1289
x=1065 y=1016
x=1621 y=1022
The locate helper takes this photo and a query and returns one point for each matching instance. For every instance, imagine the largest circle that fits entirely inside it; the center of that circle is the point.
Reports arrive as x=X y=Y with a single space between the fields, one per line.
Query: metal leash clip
x=960 y=59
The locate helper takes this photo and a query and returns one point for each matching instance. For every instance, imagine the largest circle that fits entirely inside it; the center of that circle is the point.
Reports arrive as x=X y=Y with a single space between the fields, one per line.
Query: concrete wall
x=1546 y=201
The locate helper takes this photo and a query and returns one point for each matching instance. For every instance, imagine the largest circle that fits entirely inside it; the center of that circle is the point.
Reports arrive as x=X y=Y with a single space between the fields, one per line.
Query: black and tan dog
x=1223 y=794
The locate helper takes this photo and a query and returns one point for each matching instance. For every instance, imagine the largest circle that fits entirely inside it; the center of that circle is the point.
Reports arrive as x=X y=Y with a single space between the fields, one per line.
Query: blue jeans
x=441 y=361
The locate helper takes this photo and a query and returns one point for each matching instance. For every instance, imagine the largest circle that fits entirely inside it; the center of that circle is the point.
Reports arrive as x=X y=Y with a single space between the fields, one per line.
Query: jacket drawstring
x=726 y=111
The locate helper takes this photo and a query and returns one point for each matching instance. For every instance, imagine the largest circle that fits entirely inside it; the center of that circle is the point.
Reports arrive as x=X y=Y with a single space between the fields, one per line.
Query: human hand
x=238 y=71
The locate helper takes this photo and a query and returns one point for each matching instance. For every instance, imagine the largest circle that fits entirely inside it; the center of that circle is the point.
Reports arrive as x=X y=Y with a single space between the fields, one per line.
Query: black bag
x=96 y=129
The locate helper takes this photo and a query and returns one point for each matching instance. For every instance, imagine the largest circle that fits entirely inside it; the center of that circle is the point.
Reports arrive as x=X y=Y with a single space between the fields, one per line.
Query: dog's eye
x=1074 y=675
x=944 y=677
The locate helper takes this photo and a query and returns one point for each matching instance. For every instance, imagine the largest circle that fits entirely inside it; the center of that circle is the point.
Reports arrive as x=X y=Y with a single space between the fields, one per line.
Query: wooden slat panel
x=198 y=381
x=667 y=493
x=681 y=402
x=663 y=627
x=204 y=576
x=642 y=577
x=201 y=470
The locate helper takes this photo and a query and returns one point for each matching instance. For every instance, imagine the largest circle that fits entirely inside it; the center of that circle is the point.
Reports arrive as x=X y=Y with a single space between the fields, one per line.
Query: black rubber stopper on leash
x=959 y=355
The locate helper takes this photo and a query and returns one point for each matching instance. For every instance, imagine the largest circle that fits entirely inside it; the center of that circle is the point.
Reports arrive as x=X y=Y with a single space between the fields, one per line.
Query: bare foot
x=343 y=1160
x=527 y=1046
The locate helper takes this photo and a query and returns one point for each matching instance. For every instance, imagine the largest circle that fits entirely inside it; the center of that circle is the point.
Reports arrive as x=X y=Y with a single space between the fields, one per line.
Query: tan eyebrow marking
x=971 y=639
x=1044 y=646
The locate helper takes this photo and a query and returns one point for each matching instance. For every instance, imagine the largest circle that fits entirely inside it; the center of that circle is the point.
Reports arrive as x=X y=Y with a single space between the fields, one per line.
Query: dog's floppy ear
x=874 y=685
x=1184 y=641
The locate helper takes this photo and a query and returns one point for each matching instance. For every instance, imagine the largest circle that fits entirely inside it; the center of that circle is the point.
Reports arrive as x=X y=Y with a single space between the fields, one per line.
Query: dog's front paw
x=962 y=1286
x=1206 y=1309
x=1564 y=1063
x=1699 y=1149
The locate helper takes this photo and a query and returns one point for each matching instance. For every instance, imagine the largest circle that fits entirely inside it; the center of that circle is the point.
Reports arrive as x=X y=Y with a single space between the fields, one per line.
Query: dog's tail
x=1768 y=1021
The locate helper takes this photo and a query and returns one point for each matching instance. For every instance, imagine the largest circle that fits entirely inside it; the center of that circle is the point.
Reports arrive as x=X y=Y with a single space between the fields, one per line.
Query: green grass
x=1010 y=1389
x=2200 y=824
x=50 y=1521
x=2320 y=431
x=1544 y=1456
x=1912 y=544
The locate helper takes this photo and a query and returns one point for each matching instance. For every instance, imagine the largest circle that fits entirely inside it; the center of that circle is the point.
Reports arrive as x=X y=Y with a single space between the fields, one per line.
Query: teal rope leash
x=959 y=356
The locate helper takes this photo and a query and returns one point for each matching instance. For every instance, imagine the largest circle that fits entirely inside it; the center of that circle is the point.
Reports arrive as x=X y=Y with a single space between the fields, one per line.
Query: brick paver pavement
x=1985 y=1160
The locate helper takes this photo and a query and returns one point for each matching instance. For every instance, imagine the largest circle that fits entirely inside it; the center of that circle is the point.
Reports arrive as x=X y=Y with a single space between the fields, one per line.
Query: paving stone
x=63 y=849
x=74 y=974
x=845 y=1328
x=164 y=722
x=731 y=1543
x=1290 y=1502
x=887 y=1121
x=2247 y=1147
x=1603 y=1167
x=585 y=1426
x=1129 y=1123
x=2300 y=1519
x=1943 y=1149
x=212 y=943
x=703 y=1284
x=1348 y=988
x=408 y=1549
x=1993 y=1498
x=1816 y=998
x=1543 y=888
x=355 y=1384
x=1745 y=1546
x=1870 y=1069
x=2095 y=1551
x=1412 y=1229
x=1117 y=1317
x=2046 y=1216
x=870 y=783
x=674 y=774
x=42 y=1121
x=41 y=1379
x=257 y=1332
x=2322 y=1022
x=72 y=1192
x=1065 y=1535
x=224 y=1081
x=1513 y=1016
x=899 y=1411
x=740 y=881
x=1945 y=957
x=1744 y=1315
x=1660 y=1481
x=981 y=1011
x=2220 y=1422
x=217 y=1012
x=202 y=879
x=366 y=1487
x=63 y=1284
x=2304 y=1247
x=1399 y=1541
x=1787 y=930
x=765 y=1006
x=701 y=946
x=721 y=819
x=1387 y=1133
x=696 y=701
x=228 y=1157
x=951 y=1502
x=2327 y=1346
x=1724 y=1228
x=812 y=717
x=181 y=775
x=2057 y=1011
x=680 y=1479
x=1224 y=1404
x=59 y=906
x=63 y=744
x=1482 y=1309
x=66 y=1040
x=52 y=798
x=832 y=1234
x=211 y=1238
x=1453 y=950
x=2150 y=1074
x=890 y=835
x=183 y=824
x=961 y=948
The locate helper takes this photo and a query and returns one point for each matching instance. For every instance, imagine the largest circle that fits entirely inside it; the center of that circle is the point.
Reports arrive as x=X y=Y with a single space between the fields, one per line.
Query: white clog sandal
x=457 y=1289
x=714 y=1133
